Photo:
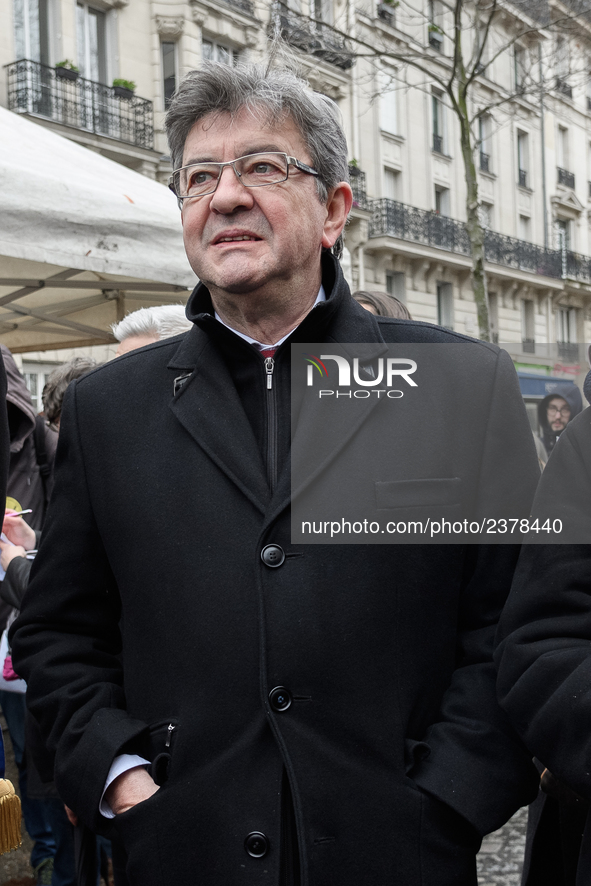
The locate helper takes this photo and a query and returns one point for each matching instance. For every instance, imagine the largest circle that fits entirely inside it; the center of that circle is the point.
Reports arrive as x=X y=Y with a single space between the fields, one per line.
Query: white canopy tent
x=83 y=241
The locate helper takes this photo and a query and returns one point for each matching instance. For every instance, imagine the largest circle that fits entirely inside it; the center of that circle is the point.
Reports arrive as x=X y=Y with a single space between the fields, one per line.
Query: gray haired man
x=228 y=706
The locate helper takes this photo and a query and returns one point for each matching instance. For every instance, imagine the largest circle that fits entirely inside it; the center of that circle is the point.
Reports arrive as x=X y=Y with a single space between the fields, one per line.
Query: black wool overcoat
x=153 y=626
x=544 y=654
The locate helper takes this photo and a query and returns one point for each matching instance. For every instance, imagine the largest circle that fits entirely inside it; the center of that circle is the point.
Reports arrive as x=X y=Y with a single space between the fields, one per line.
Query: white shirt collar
x=257 y=344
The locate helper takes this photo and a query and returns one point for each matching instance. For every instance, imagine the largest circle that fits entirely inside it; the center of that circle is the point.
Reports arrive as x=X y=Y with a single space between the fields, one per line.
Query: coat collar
x=225 y=433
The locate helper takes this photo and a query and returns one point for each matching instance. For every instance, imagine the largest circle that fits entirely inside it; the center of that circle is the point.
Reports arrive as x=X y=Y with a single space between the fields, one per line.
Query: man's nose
x=230 y=193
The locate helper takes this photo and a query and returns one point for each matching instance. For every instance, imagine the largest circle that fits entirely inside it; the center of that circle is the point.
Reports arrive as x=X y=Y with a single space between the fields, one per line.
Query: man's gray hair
x=161 y=321
x=270 y=95
x=58 y=381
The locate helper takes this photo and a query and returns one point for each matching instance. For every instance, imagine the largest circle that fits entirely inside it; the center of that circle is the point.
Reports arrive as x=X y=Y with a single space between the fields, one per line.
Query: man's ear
x=338 y=206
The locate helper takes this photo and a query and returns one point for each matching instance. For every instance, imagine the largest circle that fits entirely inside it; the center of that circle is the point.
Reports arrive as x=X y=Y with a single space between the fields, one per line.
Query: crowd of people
x=206 y=700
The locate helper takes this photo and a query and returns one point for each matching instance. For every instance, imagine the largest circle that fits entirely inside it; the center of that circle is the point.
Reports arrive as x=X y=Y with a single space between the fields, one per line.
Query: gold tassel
x=10 y=817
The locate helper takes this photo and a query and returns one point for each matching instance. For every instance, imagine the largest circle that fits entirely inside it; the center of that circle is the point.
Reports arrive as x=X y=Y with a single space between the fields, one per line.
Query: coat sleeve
x=475 y=760
x=66 y=641
x=544 y=639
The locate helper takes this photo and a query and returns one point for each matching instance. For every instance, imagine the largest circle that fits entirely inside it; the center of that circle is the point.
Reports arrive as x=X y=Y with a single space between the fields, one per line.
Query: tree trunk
x=473 y=224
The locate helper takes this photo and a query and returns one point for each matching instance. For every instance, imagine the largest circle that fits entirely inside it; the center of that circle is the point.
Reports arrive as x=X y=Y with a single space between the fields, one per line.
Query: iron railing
x=394 y=219
x=37 y=89
x=314 y=38
x=484 y=162
x=523 y=178
x=577 y=266
x=565 y=177
x=564 y=88
x=438 y=143
x=243 y=5
x=357 y=181
x=568 y=350
x=528 y=345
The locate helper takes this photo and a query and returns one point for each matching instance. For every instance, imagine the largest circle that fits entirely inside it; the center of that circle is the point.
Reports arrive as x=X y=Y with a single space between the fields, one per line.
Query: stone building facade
x=406 y=233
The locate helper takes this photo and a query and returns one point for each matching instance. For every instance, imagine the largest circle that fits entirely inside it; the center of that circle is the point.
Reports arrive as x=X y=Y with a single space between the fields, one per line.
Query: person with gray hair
x=147 y=325
x=233 y=707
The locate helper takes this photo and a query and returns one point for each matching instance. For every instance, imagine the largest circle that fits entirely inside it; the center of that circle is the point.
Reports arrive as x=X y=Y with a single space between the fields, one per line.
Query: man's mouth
x=236 y=238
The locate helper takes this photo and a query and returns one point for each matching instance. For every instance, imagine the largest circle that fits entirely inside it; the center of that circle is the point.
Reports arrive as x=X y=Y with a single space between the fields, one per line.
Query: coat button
x=256 y=844
x=280 y=698
x=272 y=556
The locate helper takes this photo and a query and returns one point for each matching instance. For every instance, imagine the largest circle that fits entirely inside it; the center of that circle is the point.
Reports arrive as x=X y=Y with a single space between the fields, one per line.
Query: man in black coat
x=233 y=707
x=545 y=662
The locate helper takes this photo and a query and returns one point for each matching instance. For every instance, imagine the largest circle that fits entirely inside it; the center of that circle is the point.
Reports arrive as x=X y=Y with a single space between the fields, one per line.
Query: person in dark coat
x=554 y=413
x=230 y=706
x=544 y=663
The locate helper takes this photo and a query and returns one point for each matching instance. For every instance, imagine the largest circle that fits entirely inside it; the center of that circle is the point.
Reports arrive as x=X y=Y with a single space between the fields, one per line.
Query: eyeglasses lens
x=254 y=171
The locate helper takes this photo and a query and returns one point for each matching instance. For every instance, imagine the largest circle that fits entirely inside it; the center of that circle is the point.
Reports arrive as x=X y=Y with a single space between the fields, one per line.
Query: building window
x=485 y=145
x=322 y=11
x=442 y=206
x=519 y=71
x=435 y=27
x=523 y=159
x=31 y=30
x=528 y=326
x=566 y=334
x=391 y=184
x=445 y=305
x=219 y=52
x=168 y=71
x=395 y=285
x=438 y=117
x=35 y=376
x=563 y=236
x=388 y=102
x=562 y=148
x=91 y=32
x=524 y=228
x=493 y=316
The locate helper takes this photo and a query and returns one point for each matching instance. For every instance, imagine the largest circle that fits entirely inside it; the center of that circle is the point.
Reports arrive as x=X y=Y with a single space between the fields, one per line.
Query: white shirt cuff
x=119 y=765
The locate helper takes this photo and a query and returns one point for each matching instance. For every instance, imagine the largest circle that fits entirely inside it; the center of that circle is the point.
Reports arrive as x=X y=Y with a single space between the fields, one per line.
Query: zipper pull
x=269 y=367
x=171 y=729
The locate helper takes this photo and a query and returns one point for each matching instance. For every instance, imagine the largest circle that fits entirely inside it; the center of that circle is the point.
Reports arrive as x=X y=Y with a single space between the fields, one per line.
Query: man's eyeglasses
x=253 y=170
x=554 y=410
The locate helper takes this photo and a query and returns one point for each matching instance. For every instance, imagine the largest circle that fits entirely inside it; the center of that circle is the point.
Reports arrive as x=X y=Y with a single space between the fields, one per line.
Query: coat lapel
x=208 y=407
x=322 y=428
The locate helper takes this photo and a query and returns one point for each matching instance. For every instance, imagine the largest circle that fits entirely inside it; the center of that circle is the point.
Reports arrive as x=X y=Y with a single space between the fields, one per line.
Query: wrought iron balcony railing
x=394 y=219
x=523 y=178
x=528 y=345
x=314 y=38
x=565 y=177
x=438 y=143
x=484 y=162
x=37 y=89
x=564 y=88
x=243 y=5
x=357 y=181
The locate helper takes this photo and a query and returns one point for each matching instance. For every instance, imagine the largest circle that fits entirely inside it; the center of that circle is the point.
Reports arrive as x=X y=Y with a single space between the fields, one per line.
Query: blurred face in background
x=558 y=414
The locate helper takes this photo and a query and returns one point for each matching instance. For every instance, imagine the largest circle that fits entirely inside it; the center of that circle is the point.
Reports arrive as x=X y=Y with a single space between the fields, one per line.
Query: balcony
x=357 y=181
x=484 y=162
x=528 y=345
x=564 y=88
x=37 y=89
x=568 y=351
x=394 y=219
x=314 y=38
x=522 y=178
x=565 y=178
x=242 y=5
x=437 y=143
